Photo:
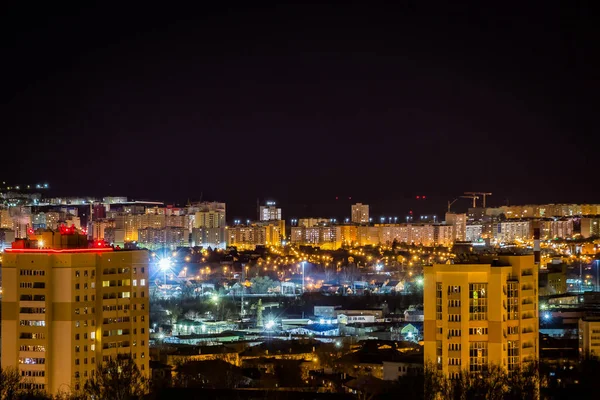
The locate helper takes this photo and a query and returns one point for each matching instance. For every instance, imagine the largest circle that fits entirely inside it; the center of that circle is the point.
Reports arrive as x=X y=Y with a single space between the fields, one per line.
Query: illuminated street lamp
x=164 y=264
x=303 y=263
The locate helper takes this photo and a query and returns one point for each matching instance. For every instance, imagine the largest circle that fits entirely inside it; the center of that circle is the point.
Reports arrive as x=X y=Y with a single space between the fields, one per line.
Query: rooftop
x=42 y=251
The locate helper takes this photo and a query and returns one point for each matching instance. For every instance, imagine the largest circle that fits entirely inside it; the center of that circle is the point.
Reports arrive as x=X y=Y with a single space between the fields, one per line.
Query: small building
x=589 y=337
x=316 y=330
x=325 y=311
x=410 y=365
x=392 y=286
x=414 y=314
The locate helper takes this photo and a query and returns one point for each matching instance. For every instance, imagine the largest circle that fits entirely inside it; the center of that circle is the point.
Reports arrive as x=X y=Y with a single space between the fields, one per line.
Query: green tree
x=261 y=284
x=117 y=379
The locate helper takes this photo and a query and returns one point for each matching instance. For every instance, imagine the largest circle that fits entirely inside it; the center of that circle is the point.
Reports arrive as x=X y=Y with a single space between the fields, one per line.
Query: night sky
x=303 y=103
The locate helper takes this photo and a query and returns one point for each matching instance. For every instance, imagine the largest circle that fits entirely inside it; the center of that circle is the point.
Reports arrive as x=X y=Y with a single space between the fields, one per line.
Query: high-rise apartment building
x=459 y=222
x=590 y=226
x=360 y=213
x=209 y=219
x=270 y=212
x=66 y=309
x=481 y=313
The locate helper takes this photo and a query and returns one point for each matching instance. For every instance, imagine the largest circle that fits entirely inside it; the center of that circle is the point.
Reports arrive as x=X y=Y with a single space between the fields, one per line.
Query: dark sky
x=303 y=103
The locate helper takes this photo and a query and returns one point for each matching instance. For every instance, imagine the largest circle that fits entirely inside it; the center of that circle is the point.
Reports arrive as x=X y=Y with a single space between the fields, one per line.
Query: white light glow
x=164 y=264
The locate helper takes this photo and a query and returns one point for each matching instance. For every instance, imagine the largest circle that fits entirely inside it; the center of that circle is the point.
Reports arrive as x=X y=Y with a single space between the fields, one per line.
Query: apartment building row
x=336 y=236
x=545 y=210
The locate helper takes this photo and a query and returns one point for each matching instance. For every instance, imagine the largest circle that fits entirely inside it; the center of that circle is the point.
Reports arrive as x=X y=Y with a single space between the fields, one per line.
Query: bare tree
x=117 y=379
x=9 y=383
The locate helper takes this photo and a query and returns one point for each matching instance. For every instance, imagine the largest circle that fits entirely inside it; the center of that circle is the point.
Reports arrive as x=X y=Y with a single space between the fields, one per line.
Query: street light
x=164 y=264
x=303 y=262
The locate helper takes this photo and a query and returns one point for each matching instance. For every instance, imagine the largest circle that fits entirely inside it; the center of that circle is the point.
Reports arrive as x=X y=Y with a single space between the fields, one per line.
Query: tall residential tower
x=67 y=308
x=481 y=312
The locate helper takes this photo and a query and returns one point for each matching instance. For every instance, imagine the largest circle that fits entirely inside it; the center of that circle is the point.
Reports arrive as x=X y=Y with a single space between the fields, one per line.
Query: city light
x=164 y=264
x=270 y=324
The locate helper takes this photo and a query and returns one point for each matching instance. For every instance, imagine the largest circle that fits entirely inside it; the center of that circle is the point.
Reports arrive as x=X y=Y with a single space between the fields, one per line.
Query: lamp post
x=164 y=264
x=303 y=262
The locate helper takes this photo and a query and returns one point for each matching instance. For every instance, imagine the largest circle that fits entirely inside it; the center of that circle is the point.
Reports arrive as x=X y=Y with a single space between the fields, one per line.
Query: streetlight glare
x=164 y=264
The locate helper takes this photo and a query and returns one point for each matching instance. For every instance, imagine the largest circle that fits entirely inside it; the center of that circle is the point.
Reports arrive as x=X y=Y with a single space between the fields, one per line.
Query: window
x=76 y=298
x=77 y=361
x=454 y=346
x=478 y=331
x=513 y=300
x=438 y=300
x=76 y=349
x=32 y=310
x=134 y=282
x=29 y=360
x=77 y=274
x=513 y=354
x=142 y=270
x=93 y=335
x=453 y=317
x=77 y=336
x=85 y=273
x=85 y=285
x=478 y=356
x=77 y=286
x=454 y=332
x=513 y=330
x=454 y=303
x=29 y=322
x=478 y=301
x=453 y=289
x=453 y=361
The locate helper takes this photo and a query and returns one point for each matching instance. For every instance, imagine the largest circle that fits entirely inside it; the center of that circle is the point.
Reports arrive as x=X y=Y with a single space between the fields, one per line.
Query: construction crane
x=472 y=196
x=484 y=194
x=451 y=202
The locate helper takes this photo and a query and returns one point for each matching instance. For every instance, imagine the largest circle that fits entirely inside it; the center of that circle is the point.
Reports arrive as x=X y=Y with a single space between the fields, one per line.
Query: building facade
x=483 y=313
x=589 y=337
x=459 y=224
x=66 y=310
x=360 y=213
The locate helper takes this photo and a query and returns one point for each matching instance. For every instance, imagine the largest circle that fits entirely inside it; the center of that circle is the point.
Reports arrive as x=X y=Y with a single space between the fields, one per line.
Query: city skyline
x=387 y=103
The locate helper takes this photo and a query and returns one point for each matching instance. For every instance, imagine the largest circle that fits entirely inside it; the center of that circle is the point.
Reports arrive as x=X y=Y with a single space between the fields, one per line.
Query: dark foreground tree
x=117 y=379
x=9 y=383
x=14 y=387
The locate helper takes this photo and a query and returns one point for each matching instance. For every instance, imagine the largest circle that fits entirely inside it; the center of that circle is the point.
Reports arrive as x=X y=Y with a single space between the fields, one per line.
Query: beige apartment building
x=64 y=310
x=482 y=312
